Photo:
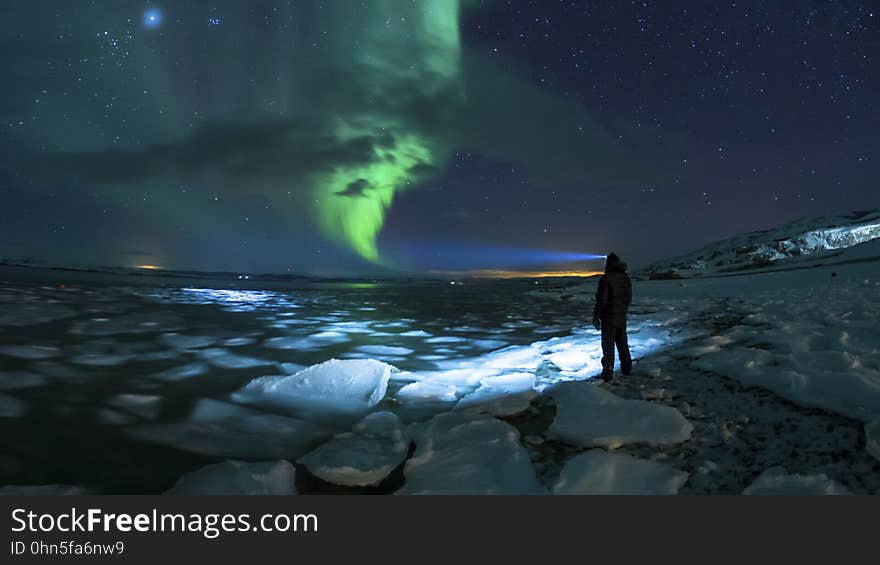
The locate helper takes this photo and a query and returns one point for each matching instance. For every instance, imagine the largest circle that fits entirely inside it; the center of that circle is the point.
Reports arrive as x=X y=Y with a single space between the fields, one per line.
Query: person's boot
x=606 y=376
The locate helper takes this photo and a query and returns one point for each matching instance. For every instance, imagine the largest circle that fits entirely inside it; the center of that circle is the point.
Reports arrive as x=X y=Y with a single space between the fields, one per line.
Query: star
x=152 y=18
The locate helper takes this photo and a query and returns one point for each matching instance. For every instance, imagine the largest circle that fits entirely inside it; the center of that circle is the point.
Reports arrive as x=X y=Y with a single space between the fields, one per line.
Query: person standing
x=613 y=298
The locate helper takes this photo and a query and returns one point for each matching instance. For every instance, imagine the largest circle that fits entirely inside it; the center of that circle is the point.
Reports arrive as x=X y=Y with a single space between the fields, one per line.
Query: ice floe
x=11 y=407
x=29 y=351
x=589 y=416
x=224 y=359
x=500 y=396
x=10 y=380
x=468 y=454
x=777 y=480
x=145 y=322
x=427 y=391
x=27 y=314
x=600 y=472
x=238 y=477
x=181 y=341
x=227 y=430
x=146 y=406
x=364 y=456
x=350 y=386
x=384 y=350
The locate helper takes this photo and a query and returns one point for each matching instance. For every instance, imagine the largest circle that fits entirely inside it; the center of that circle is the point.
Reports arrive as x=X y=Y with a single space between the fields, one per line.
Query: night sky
x=344 y=137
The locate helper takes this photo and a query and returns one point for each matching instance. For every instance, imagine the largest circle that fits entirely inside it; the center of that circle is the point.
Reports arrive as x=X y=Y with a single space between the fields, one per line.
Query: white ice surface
x=589 y=416
x=777 y=481
x=500 y=396
x=427 y=391
x=600 y=472
x=468 y=454
x=363 y=457
x=238 y=477
x=348 y=386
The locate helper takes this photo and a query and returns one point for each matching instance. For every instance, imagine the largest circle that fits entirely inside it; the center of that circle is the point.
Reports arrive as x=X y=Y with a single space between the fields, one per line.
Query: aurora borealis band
x=332 y=137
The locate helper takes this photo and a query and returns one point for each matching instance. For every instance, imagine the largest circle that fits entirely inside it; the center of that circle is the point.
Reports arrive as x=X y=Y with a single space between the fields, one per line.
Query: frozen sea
x=757 y=383
x=89 y=369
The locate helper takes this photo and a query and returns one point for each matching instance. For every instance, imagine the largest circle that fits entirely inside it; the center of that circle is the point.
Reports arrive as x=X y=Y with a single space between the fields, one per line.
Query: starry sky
x=359 y=138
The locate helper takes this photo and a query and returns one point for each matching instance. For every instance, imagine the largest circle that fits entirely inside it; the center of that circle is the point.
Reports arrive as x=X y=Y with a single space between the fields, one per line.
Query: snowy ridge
x=796 y=241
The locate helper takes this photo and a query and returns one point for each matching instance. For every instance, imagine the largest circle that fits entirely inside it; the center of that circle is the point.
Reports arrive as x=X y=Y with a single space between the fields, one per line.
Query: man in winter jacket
x=612 y=303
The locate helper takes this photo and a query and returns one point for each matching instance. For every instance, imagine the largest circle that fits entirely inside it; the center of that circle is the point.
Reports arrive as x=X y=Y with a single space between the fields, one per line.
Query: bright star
x=152 y=18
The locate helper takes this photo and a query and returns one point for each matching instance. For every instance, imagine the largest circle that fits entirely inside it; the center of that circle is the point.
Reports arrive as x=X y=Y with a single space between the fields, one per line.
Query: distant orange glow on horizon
x=149 y=267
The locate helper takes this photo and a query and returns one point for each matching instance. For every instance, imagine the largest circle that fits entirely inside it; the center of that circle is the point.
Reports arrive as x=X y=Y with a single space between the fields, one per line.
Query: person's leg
x=623 y=349
x=607 y=349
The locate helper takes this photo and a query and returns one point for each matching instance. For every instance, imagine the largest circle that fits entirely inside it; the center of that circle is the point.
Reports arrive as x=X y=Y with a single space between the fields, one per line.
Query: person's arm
x=601 y=302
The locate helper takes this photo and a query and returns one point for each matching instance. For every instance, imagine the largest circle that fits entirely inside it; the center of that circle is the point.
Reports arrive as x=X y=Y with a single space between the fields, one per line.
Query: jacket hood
x=618 y=267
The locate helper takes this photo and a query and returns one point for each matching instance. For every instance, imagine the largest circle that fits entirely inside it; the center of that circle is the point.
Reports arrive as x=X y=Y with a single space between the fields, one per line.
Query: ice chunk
x=589 y=416
x=182 y=372
x=180 y=341
x=384 y=350
x=20 y=379
x=110 y=417
x=427 y=391
x=416 y=333
x=144 y=405
x=514 y=357
x=146 y=322
x=226 y=430
x=49 y=490
x=500 y=396
x=872 y=438
x=337 y=386
x=238 y=341
x=445 y=339
x=363 y=457
x=101 y=359
x=238 y=477
x=222 y=358
x=468 y=454
x=316 y=341
x=29 y=314
x=600 y=472
x=11 y=407
x=29 y=351
x=777 y=481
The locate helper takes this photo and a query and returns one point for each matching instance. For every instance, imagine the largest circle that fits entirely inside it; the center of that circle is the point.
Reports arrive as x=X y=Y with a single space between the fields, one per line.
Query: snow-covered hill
x=828 y=238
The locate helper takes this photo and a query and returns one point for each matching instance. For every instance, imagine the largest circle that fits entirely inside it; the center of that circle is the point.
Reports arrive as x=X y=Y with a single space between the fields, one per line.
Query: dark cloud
x=356 y=189
x=231 y=153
